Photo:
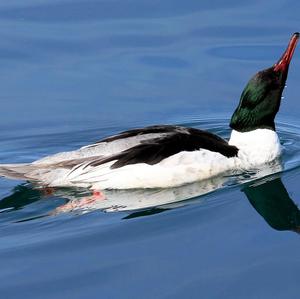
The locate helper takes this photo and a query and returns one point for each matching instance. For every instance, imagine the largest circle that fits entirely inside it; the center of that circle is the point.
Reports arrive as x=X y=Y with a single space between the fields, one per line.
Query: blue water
x=73 y=72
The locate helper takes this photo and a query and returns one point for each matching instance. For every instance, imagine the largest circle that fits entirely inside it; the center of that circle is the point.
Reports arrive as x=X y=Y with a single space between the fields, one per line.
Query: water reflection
x=268 y=196
x=22 y=195
x=272 y=201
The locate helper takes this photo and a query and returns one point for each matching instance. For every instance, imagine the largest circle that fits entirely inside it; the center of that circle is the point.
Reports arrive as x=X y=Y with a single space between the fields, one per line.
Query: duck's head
x=260 y=100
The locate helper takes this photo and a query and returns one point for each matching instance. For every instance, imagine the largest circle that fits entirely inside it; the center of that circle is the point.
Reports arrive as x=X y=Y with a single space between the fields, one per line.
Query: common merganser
x=168 y=156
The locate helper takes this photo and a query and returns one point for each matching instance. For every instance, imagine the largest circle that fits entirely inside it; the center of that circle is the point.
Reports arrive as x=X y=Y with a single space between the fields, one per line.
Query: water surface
x=73 y=72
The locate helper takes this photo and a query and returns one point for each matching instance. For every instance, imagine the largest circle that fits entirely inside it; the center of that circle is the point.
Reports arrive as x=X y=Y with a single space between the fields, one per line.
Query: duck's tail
x=16 y=171
x=44 y=174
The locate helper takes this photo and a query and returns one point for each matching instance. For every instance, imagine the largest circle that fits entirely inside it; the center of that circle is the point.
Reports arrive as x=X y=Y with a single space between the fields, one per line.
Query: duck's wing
x=153 y=151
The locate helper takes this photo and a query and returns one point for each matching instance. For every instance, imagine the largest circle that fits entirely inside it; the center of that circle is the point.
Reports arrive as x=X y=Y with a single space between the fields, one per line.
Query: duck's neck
x=256 y=147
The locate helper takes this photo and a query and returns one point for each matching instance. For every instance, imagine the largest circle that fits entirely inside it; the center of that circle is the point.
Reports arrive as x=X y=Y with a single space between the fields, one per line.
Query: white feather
x=256 y=147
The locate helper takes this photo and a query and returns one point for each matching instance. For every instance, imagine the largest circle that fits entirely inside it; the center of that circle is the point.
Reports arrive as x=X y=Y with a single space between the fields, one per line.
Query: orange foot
x=97 y=194
x=85 y=202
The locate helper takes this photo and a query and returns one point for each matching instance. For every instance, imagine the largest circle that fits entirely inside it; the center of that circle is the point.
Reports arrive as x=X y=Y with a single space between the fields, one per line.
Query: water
x=75 y=71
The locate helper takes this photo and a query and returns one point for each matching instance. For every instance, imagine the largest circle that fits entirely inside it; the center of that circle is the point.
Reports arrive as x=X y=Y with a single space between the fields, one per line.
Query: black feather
x=154 y=150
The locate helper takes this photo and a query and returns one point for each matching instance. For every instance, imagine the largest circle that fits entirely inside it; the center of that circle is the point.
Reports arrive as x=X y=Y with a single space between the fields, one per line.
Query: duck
x=163 y=156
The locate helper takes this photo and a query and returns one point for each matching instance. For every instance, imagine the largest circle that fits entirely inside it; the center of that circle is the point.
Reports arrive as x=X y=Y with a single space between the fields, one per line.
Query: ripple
x=164 y=61
x=83 y=11
x=26 y=202
x=246 y=52
x=239 y=31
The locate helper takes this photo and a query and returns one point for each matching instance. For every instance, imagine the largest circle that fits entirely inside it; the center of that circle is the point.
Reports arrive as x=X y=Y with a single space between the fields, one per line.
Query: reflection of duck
x=268 y=196
x=21 y=196
x=80 y=199
x=169 y=156
x=271 y=200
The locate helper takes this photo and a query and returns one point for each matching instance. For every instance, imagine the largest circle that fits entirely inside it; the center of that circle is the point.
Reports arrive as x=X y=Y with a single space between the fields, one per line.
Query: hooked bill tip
x=284 y=61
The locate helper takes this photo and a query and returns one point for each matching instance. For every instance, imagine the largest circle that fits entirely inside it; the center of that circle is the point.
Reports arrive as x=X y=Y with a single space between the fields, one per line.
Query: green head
x=260 y=100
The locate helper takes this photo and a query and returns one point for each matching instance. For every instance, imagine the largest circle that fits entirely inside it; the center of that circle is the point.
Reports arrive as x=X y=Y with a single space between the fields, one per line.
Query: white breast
x=256 y=147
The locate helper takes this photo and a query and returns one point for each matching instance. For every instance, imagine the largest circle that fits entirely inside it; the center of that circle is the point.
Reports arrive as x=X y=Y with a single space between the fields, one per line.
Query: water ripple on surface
x=83 y=11
x=246 y=52
x=26 y=202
